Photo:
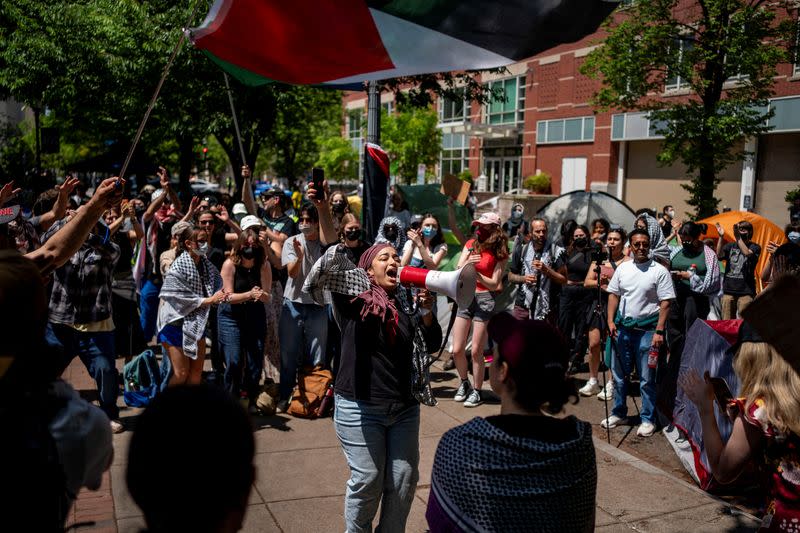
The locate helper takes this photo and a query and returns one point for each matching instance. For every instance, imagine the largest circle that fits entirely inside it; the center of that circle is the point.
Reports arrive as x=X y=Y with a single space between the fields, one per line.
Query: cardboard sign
x=773 y=315
x=455 y=188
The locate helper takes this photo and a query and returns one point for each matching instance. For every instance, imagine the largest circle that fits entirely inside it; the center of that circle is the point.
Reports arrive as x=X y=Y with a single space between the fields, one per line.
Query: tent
x=707 y=348
x=763 y=232
x=585 y=206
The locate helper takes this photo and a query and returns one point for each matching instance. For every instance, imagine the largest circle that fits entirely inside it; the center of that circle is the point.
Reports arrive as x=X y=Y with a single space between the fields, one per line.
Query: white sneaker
x=608 y=392
x=611 y=422
x=463 y=391
x=646 y=429
x=590 y=389
x=474 y=399
x=117 y=427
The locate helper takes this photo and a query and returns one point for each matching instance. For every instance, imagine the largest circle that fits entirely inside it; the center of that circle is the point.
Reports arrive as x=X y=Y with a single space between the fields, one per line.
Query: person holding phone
x=425 y=247
x=766 y=427
x=741 y=257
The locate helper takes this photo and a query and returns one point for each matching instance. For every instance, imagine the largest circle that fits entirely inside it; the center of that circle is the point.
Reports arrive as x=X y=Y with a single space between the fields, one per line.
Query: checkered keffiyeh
x=185 y=287
x=334 y=272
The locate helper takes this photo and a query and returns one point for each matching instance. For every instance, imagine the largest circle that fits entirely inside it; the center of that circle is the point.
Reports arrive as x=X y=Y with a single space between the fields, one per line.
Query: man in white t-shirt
x=638 y=306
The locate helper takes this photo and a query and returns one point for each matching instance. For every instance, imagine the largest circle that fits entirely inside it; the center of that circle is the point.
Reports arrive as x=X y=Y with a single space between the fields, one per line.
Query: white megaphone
x=458 y=284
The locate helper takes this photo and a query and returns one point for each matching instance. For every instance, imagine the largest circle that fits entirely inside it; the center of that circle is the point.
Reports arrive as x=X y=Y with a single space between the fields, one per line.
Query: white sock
x=593 y=381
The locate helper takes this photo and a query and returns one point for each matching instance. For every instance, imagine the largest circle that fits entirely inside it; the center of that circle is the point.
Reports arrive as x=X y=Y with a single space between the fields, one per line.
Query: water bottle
x=693 y=269
x=326 y=400
x=652 y=357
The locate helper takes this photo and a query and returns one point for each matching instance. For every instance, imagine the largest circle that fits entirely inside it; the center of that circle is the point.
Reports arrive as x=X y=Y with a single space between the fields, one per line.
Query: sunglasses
x=640 y=245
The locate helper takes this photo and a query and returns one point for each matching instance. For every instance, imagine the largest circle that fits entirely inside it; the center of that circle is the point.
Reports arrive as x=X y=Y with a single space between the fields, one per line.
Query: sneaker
x=611 y=422
x=474 y=399
x=282 y=406
x=646 y=429
x=590 y=389
x=117 y=427
x=607 y=393
x=463 y=391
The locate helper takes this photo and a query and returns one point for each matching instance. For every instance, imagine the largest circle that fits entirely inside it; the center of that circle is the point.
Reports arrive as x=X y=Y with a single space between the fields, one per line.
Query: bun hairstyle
x=537 y=356
x=693 y=229
x=189 y=234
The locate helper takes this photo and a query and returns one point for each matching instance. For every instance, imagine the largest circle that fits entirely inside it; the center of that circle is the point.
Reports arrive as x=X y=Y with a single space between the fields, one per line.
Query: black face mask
x=248 y=252
x=352 y=234
x=338 y=207
x=580 y=242
x=140 y=211
x=390 y=232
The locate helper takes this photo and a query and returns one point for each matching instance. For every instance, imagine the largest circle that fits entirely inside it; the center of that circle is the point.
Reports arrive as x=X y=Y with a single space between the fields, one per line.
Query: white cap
x=156 y=194
x=239 y=209
x=250 y=221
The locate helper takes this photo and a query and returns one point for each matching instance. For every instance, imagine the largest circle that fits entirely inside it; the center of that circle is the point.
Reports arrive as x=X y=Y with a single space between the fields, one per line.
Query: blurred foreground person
x=53 y=442
x=521 y=470
x=181 y=495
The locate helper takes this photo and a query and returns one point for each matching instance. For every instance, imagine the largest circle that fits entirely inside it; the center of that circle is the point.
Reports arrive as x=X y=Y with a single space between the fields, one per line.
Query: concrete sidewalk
x=302 y=473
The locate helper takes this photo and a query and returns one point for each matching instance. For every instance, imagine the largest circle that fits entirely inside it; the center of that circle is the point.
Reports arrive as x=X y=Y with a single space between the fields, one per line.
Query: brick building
x=548 y=125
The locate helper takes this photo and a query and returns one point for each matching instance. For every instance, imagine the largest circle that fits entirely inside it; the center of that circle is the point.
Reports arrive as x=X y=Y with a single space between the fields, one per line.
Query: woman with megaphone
x=488 y=253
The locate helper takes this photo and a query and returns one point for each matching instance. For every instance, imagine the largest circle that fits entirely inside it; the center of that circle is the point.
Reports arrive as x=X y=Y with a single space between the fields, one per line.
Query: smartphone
x=317 y=177
x=722 y=392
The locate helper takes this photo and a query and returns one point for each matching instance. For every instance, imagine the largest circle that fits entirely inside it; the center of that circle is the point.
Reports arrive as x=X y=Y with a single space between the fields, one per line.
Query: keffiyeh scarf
x=710 y=284
x=542 y=286
x=185 y=287
x=659 y=249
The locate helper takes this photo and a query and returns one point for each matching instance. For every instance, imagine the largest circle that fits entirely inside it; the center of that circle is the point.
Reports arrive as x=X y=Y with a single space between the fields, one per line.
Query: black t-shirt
x=577 y=263
x=740 y=277
x=373 y=367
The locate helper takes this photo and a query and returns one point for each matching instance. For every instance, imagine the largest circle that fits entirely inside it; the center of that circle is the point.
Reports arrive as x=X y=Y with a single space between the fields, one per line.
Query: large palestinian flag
x=345 y=42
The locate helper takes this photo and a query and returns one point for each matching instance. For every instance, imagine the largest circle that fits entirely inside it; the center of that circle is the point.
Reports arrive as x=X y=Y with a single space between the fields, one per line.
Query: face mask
x=248 y=252
x=671 y=213
x=338 y=207
x=428 y=232
x=202 y=250
x=352 y=234
x=580 y=242
x=794 y=236
x=390 y=233
x=516 y=215
x=306 y=229
x=139 y=211
x=482 y=233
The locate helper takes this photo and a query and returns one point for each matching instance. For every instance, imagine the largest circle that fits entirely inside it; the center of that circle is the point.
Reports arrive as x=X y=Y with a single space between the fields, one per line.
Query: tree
x=338 y=159
x=722 y=53
x=411 y=138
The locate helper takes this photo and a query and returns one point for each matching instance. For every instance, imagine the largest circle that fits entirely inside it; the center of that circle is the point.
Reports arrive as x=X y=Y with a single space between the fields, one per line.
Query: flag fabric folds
x=376 y=181
x=347 y=42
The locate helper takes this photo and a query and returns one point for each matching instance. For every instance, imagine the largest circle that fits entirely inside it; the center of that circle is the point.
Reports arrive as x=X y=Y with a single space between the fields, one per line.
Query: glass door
x=493 y=167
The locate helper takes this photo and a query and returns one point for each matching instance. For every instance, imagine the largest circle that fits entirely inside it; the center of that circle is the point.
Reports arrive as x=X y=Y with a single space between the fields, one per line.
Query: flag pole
x=235 y=120
x=158 y=90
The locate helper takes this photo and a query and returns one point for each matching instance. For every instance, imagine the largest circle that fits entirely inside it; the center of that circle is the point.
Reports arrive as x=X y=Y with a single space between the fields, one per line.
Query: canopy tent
x=260 y=41
x=763 y=232
x=583 y=207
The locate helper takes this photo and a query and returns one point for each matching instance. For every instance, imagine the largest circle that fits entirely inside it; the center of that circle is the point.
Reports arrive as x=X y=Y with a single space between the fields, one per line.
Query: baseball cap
x=8 y=213
x=487 y=218
x=270 y=193
x=250 y=221
x=156 y=194
x=180 y=227
x=239 y=209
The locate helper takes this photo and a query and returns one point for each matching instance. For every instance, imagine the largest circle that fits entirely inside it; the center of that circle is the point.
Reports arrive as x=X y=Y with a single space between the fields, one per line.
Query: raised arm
x=327 y=232
x=60 y=206
x=451 y=219
x=248 y=199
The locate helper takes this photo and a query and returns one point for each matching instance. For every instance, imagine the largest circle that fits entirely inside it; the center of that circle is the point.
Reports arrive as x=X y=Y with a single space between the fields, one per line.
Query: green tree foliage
x=411 y=138
x=338 y=158
x=724 y=52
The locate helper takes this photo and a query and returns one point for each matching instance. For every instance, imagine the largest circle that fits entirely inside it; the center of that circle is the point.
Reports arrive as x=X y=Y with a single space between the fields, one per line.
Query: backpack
x=312 y=385
x=142 y=379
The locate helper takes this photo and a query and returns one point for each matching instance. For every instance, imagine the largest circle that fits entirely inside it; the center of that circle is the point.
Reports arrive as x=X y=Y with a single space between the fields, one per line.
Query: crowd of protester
x=270 y=285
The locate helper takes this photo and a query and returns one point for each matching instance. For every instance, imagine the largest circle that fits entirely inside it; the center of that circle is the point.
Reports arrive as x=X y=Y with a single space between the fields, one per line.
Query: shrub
x=538 y=183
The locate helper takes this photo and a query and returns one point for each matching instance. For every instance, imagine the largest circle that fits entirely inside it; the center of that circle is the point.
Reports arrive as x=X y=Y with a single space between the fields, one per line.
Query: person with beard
x=515 y=222
x=740 y=256
x=575 y=301
x=158 y=220
x=377 y=414
x=242 y=318
x=339 y=207
x=81 y=319
x=640 y=294
x=488 y=252
x=191 y=286
x=303 y=325
x=532 y=268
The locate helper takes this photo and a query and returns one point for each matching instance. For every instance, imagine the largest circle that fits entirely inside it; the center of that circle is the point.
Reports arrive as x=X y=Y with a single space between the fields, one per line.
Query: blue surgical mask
x=794 y=236
x=516 y=215
x=428 y=232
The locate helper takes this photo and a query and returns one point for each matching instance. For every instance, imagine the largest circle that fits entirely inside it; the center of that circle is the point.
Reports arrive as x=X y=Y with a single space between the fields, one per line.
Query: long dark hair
x=437 y=239
x=571 y=248
x=241 y=242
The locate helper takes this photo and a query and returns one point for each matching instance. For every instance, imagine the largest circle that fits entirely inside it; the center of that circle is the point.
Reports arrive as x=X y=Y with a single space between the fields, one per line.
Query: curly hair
x=496 y=244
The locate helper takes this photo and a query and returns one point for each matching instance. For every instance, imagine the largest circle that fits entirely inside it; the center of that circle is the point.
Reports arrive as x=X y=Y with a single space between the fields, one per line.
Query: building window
x=675 y=81
x=796 y=69
x=512 y=110
x=388 y=107
x=355 y=118
x=569 y=130
x=455 y=148
x=453 y=110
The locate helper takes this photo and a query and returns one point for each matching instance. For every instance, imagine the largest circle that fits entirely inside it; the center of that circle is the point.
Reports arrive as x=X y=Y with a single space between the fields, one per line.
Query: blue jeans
x=241 y=336
x=303 y=334
x=96 y=351
x=381 y=445
x=632 y=348
x=148 y=309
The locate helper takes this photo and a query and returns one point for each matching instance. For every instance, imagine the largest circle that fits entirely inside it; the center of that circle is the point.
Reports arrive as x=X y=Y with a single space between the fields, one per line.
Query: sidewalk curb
x=625 y=457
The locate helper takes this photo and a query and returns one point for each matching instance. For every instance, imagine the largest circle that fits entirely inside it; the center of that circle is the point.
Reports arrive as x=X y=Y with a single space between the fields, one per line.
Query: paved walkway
x=301 y=475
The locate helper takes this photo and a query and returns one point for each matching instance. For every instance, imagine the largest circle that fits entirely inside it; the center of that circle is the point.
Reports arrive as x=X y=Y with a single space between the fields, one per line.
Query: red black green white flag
x=345 y=42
